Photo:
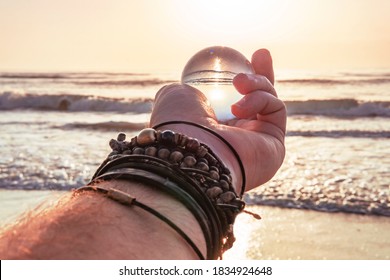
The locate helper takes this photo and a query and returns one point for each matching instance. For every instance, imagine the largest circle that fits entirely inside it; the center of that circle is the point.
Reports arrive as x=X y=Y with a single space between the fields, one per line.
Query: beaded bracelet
x=211 y=131
x=193 y=174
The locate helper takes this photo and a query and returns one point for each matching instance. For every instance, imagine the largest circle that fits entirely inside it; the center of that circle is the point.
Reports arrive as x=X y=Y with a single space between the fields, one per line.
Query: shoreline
x=281 y=234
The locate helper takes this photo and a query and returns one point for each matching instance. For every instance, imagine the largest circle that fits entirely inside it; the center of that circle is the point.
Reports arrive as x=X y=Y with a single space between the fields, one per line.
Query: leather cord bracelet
x=184 y=168
x=128 y=200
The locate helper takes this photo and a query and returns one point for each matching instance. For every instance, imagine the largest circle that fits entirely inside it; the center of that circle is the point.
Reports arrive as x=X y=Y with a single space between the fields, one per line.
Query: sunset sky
x=156 y=35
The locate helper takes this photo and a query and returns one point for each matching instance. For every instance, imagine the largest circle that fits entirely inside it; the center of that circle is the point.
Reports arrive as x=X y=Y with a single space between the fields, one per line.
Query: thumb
x=262 y=63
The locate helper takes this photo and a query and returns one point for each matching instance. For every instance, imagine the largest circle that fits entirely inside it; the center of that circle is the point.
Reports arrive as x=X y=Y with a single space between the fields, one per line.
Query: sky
x=157 y=35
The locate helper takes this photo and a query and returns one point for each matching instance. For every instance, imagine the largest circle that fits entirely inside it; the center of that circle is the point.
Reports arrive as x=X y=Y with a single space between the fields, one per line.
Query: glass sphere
x=212 y=70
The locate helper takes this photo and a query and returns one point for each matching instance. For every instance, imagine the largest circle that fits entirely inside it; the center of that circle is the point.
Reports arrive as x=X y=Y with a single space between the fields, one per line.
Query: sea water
x=55 y=129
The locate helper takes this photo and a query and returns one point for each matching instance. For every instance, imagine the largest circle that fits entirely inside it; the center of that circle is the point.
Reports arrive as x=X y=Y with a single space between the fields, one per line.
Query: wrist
x=218 y=145
x=186 y=169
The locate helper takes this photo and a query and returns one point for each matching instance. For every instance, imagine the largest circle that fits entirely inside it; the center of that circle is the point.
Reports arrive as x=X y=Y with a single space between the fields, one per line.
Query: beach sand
x=280 y=234
x=284 y=234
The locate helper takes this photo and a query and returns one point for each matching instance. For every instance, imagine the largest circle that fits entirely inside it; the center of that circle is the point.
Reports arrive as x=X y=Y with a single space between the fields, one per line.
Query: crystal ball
x=212 y=70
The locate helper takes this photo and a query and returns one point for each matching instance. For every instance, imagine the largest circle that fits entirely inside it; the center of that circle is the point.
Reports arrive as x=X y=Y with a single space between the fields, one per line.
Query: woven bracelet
x=200 y=180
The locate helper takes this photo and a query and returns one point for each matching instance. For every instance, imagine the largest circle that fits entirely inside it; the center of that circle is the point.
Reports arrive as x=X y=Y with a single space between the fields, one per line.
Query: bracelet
x=235 y=153
x=184 y=168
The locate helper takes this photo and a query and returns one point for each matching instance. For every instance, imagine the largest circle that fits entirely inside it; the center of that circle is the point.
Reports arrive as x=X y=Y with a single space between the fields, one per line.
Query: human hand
x=258 y=132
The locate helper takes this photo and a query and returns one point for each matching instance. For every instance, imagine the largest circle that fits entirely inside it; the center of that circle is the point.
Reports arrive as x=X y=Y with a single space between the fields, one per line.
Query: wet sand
x=280 y=234
x=285 y=234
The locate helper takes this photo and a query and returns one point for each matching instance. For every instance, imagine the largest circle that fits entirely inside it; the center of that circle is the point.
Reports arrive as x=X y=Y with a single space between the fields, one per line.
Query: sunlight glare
x=231 y=21
x=217 y=64
x=216 y=94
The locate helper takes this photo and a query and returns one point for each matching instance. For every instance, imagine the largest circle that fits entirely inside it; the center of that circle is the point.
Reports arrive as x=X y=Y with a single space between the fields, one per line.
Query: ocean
x=55 y=129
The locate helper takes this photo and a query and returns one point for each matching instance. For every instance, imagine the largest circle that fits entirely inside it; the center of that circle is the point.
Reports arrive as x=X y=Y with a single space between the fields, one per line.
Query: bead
x=189 y=161
x=193 y=144
x=183 y=141
x=219 y=201
x=212 y=160
x=121 y=137
x=138 y=151
x=168 y=137
x=227 y=197
x=201 y=152
x=177 y=139
x=163 y=153
x=202 y=166
x=203 y=160
x=146 y=136
x=122 y=146
x=127 y=152
x=158 y=135
x=214 y=192
x=127 y=144
x=214 y=168
x=214 y=175
x=151 y=151
x=114 y=144
x=133 y=141
x=226 y=177
x=176 y=156
x=224 y=185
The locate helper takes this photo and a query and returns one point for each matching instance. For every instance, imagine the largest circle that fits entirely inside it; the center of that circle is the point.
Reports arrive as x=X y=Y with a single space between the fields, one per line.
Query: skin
x=260 y=124
x=89 y=225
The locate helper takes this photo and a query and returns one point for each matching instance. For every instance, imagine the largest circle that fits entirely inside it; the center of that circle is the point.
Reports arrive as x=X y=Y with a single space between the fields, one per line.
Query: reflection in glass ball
x=212 y=70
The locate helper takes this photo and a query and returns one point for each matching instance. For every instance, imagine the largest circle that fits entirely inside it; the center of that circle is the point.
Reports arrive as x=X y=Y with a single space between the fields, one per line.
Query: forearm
x=89 y=225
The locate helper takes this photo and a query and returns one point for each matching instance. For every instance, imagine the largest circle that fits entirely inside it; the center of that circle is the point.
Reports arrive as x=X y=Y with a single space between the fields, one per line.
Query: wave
x=341 y=133
x=67 y=76
x=130 y=126
x=98 y=79
x=356 y=206
x=73 y=103
x=110 y=126
x=339 y=108
x=334 y=81
x=126 y=83
x=129 y=79
x=89 y=103
x=353 y=79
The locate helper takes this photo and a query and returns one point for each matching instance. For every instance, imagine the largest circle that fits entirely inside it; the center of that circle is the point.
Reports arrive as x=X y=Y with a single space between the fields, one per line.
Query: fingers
x=267 y=112
x=262 y=63
x=246 y=83
x=257 y=102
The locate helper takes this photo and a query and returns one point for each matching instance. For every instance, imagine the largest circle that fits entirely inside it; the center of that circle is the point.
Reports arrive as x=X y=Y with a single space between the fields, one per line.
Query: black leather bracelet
x=184 y=168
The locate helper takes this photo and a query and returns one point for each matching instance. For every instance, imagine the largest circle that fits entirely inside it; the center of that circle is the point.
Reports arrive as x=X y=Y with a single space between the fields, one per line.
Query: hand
x=258 y=132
